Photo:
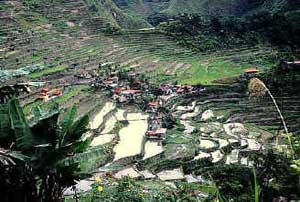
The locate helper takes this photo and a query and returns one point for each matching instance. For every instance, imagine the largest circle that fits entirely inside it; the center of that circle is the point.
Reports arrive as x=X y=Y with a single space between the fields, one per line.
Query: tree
x=42 y=149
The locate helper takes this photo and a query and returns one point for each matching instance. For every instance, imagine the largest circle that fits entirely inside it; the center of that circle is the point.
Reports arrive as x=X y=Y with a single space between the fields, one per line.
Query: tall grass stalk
x=258 y=88
x=256 y=187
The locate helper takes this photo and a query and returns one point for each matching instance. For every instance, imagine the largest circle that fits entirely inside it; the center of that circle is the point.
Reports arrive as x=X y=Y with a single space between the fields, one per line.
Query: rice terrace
x=149 y=100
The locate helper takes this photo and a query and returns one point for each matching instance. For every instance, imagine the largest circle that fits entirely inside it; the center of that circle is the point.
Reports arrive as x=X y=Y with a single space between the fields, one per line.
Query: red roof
x=251 y=70
x=130 y=91
x=295 y=62
x=112 y=78
x=45 y=90
x=108 y=82
x=118 y=90
x=157 y=132
x=165 y=87
x=180 y=90
x=153 y=104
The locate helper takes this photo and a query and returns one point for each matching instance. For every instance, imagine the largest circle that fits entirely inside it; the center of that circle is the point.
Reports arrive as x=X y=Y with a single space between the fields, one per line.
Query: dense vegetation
x=162 y=10
x=34 y=156
x=262 y=28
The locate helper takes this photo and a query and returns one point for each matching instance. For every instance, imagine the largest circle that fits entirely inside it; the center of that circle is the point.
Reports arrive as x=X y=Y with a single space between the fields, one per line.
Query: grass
x=208 y=73
x=59 y=100
x=47 y=71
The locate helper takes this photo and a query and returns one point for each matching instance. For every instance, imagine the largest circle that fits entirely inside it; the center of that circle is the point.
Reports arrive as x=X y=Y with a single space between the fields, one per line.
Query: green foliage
x=275 y=175
x=125 y=190
x=23 y=136
x=47 y=71
x=214 y=34
x=232 y=180
x=208 y=73
x=256 y=187
x=46 y=142
x=48 y=106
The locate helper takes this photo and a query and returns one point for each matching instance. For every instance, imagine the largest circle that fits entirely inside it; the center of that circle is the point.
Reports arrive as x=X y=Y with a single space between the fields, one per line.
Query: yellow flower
x=100 y=188
x=98 y=179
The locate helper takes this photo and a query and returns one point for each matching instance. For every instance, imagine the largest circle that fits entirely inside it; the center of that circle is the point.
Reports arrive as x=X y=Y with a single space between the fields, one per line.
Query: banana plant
x=43 y=145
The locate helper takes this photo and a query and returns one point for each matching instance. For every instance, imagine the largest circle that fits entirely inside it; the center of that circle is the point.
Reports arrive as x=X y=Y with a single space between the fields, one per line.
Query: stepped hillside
x=190 y=80
x=80 y=12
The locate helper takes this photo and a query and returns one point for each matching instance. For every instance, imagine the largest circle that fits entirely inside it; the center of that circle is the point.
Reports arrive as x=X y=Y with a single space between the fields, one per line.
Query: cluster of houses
x=169 y=91
x=123 y=90
x=156 y=131
x=128 y=88
x=155 y=121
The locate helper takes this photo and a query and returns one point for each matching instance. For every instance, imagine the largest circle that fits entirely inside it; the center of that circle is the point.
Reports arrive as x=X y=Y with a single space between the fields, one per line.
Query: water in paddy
x=131 y=136
x=98 y=119
x=152 y=148
x=107 y=134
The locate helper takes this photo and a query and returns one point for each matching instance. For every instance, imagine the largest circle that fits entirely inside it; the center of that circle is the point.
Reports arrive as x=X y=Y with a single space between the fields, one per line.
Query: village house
x=153 y=106
x=132 y=74
x=84 y=75
x=291 y=65
x=46 y=94
x=156 y=134
x=166 y=89
x=184 y=89
x=111 y=82
x=128 y=95
x=251 y=72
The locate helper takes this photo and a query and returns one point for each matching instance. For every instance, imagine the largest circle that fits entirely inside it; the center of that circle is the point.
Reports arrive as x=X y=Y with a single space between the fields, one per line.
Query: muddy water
x=102 y=139
x=98 y=119
x=131 y=137
x=152 y=148
x=109 y=125
x=107 y=134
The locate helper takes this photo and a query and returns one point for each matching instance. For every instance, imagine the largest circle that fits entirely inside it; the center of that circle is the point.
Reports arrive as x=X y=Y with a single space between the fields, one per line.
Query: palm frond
x=45 y=129
x=78 y=129
x=56 y=156
x=6 y=133
x=66 y=124
x=23 y=135
x=68 y=120
x=11 y=157
x=87 y=156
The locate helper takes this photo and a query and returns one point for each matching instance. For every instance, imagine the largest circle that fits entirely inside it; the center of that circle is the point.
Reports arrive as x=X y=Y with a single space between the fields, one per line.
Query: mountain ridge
x=238 y=8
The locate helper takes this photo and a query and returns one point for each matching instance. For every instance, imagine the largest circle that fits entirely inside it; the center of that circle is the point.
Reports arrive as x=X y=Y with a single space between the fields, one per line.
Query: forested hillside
x=166 y=9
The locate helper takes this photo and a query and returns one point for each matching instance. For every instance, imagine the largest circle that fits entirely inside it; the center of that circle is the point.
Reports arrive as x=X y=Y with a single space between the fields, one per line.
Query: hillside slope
x=228 y=7
x=103 y=12
x=162 y=8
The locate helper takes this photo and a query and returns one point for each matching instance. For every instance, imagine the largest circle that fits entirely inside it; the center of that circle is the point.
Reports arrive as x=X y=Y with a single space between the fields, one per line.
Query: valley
x=165 y=119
